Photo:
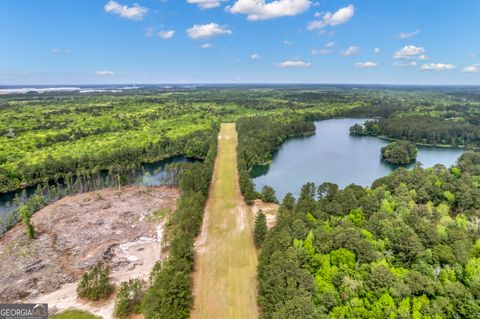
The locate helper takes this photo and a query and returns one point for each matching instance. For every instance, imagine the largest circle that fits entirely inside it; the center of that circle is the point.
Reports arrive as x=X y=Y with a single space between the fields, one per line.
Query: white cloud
x=105 y=73
x=293 y=64
x=287 y=43
x=437 y=67
x=474 y=68
x=409 y=52
x=261 y=10
x=321 y=51
x=135 y=12
x=341 y=16
x=206 y=46
x=207 y=31
x=330 y=44
x=255 y=56
x=206 y=4
x=403 y=65
x=423 y=57
x=366 y=65
x=351 y=51
x=407 y=35
x=472 y=55
x=376 y=50
x=166 y=34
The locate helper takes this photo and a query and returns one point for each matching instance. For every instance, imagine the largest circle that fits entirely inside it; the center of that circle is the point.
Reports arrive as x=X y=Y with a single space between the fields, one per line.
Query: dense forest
x=48 y=136
x=408 y=247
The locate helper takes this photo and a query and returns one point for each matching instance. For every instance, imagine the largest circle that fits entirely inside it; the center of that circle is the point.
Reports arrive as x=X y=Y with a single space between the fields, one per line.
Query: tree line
x=193 y=145
x=422 y=129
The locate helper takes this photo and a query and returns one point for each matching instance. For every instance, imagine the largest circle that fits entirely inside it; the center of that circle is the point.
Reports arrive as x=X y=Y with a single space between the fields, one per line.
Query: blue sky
x=239 y=41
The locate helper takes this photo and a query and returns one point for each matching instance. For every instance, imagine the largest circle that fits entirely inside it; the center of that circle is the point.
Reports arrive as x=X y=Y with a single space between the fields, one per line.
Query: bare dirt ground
x=225 y=284
x=269 y=209
x=112 y=225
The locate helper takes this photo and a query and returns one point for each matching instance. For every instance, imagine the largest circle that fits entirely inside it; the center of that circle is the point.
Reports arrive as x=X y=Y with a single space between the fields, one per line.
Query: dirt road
x=225 y=283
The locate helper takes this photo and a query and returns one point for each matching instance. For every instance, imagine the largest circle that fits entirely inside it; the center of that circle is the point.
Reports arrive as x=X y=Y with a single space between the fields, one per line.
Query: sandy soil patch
x=269 y=209
x=112 y=225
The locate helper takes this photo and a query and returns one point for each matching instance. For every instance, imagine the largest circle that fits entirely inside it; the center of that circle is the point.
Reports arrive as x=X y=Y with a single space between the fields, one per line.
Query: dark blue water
x=332 y=155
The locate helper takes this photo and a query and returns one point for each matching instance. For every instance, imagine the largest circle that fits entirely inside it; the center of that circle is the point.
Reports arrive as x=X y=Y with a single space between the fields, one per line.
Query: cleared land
x=112 y=225
x=225 y=283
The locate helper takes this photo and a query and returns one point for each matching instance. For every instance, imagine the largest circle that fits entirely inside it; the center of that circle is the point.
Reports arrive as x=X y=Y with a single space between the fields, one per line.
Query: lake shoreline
x=333 y=155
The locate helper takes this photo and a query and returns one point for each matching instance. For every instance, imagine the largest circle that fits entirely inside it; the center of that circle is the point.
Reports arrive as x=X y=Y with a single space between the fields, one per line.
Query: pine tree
x=128 y=298
x=95 y=283
x=26 y=215
x=260 y=228
x=268 y=195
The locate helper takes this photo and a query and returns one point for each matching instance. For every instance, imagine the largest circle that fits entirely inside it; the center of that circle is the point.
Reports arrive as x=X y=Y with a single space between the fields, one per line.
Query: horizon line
x=239 y=83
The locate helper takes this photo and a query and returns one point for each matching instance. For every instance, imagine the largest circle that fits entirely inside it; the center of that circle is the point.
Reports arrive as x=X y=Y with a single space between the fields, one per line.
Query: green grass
x=158 y=215
x=74 y=314
x=225 y=282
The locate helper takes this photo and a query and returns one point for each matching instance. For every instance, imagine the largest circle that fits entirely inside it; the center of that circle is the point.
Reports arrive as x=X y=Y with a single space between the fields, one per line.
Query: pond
x=332 y=155
x=151 y=174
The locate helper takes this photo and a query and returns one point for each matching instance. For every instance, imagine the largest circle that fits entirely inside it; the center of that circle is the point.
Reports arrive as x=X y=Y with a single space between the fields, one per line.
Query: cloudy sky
x=239 y=41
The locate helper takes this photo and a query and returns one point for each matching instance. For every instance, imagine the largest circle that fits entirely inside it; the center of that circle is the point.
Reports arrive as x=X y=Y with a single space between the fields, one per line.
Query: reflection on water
x=332 y=155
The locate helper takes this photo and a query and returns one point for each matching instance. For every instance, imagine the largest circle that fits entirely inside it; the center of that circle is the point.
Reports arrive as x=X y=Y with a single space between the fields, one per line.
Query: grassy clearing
x=74 y=314
x=225 y=271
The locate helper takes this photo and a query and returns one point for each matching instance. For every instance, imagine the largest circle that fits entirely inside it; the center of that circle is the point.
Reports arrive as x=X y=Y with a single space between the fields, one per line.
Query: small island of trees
x=399 y=152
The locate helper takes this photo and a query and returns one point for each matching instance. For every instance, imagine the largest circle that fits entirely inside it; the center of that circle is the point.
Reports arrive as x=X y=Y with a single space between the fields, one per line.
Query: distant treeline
x=409 y=247
x=46 y=136
x=170 y=291
x=258 y=137
x=422 y=129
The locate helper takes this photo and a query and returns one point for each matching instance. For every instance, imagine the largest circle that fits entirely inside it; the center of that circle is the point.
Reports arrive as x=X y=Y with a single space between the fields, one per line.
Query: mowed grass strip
x=225 y=284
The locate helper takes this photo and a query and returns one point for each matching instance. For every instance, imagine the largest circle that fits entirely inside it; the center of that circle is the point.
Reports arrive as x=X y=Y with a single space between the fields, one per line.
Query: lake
x=332 y=155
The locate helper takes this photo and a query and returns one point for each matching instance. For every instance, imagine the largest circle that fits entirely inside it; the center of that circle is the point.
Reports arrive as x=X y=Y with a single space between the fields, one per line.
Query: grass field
x=74 y=314
x=225 y=283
